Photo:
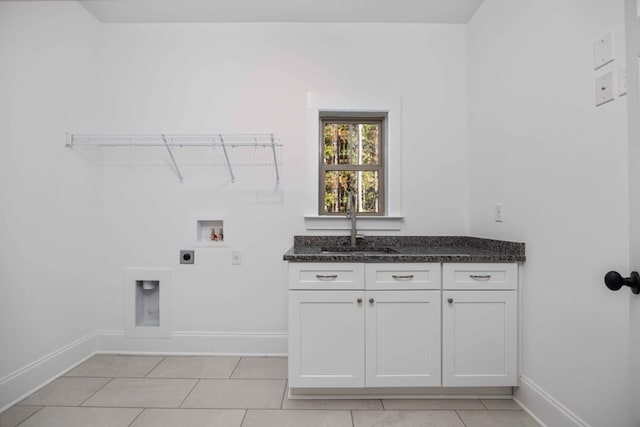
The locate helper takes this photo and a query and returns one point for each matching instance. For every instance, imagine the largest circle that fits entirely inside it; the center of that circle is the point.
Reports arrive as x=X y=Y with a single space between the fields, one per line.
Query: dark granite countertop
x=404 y=249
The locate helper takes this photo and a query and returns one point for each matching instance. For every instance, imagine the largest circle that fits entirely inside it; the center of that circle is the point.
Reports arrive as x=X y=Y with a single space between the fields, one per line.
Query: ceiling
x=376 y=11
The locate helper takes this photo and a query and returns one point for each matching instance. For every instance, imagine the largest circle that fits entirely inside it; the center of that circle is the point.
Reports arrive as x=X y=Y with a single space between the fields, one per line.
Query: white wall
x=73 y=220
x=50 y=200
x=255 y=78
x=632 y=29
x=558 y=164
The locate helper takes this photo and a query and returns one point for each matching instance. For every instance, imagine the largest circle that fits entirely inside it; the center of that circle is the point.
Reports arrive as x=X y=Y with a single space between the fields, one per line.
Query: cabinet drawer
x=393 y=276
x=326 y=275
x=480 y=276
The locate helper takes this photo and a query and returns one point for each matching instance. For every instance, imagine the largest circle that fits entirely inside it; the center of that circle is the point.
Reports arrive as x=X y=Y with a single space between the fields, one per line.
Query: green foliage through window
x=352 y=160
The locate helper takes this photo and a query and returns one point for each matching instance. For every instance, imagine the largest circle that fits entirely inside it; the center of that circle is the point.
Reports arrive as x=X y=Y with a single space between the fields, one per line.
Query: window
x=352 y=160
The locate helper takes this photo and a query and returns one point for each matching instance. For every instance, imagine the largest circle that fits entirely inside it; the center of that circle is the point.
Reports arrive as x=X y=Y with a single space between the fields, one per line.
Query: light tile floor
x=141 y=391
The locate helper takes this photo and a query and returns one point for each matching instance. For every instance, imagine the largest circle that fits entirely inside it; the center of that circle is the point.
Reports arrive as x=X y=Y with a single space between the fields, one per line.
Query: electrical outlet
x=622 y=81
x=604 y=88
x=236 y=257
x=498 y=212
x=187 y=257
x=603 y=51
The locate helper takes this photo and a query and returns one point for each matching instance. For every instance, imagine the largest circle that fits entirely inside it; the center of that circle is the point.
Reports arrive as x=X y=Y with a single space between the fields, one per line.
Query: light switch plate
x=622 y=81
x=603 y=51
x=604 y=88
x=236 y=257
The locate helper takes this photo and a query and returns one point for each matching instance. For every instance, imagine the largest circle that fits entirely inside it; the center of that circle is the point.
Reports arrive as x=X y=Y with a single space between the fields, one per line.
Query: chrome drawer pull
x=480 y=277
x=408 y=277
x=326 y=277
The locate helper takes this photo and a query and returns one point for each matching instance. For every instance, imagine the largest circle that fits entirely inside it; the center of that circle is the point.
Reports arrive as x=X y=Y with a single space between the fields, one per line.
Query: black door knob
x=615 y=281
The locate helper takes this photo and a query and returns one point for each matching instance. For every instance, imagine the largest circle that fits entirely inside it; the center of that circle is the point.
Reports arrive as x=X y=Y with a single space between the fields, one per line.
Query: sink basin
x=342 y=250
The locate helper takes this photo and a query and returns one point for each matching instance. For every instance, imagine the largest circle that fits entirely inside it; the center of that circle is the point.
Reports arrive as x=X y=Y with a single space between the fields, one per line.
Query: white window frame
x=391 y=105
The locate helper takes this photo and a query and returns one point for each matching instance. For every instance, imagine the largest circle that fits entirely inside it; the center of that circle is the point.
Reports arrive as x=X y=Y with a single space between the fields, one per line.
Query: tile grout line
x=95 y=392
x=40 y=409
x=284 y=393
x=154 y=366
x=137 y=416
x=244 y=417
x=460 y=418
x=189 y=394
x=235 y=367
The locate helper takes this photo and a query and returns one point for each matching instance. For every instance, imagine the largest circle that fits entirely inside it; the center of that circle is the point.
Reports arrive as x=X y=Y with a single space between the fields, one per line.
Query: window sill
x=386 y=223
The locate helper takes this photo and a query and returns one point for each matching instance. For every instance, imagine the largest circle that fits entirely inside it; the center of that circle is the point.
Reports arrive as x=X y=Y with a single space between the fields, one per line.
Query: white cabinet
x=479 y=338
x=480 y=325
x=402 y=338
x=392 y=276
x=402 y=325
x=326 y=338
x=334 y=331
x=334 y=275
x=476 y=276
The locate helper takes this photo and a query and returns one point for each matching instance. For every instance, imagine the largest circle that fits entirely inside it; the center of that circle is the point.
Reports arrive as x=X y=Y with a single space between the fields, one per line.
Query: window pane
x=363 y=183
x=351 y=143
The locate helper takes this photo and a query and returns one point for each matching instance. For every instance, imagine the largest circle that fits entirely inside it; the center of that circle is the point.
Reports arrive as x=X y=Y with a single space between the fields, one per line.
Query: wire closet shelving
x=171 y=141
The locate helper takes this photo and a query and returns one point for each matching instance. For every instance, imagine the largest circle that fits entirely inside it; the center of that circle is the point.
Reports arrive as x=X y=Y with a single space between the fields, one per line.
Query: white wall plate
x=603 y=51
x=604 y=88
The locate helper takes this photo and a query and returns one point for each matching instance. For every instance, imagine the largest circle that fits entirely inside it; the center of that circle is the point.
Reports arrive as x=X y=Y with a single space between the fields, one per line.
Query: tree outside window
x=352 y=159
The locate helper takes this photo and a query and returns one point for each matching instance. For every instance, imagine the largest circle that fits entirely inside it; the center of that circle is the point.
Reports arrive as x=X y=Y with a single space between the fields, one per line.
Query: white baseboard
x=548 y=410
x=196 y=343
x=24 y=381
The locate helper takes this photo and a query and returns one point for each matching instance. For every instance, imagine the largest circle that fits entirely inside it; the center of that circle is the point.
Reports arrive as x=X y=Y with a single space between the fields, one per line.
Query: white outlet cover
x=604 y=88
x=603 y=51
x=622 y=81
x=498 y=212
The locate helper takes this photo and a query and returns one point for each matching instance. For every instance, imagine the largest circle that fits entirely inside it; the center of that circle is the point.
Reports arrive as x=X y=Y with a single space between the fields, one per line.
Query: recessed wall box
x=210 y=232
x=146 y=303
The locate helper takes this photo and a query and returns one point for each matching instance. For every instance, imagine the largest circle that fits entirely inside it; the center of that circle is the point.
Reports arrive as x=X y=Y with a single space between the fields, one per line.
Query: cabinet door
x=326 y=338
x=479 y=338
x=403 y=338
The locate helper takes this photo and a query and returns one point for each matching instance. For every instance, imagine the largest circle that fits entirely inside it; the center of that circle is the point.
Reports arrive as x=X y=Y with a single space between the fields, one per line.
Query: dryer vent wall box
x=147 y=303
x=147 y=294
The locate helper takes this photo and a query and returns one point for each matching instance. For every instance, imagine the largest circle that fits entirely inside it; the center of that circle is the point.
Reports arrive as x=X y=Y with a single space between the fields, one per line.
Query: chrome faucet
x=352 y=208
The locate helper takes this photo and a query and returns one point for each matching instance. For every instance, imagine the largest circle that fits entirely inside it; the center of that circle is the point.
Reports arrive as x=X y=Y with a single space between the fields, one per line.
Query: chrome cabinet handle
x=407 y=277
x=371 y=300
x=480 y=276
x=326 y=277
x=359 y=300
x=450 y=300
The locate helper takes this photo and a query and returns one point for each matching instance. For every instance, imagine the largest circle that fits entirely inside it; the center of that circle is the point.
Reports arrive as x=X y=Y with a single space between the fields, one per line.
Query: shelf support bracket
x=275 y=158
x=226 y=157
x=175 y=165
